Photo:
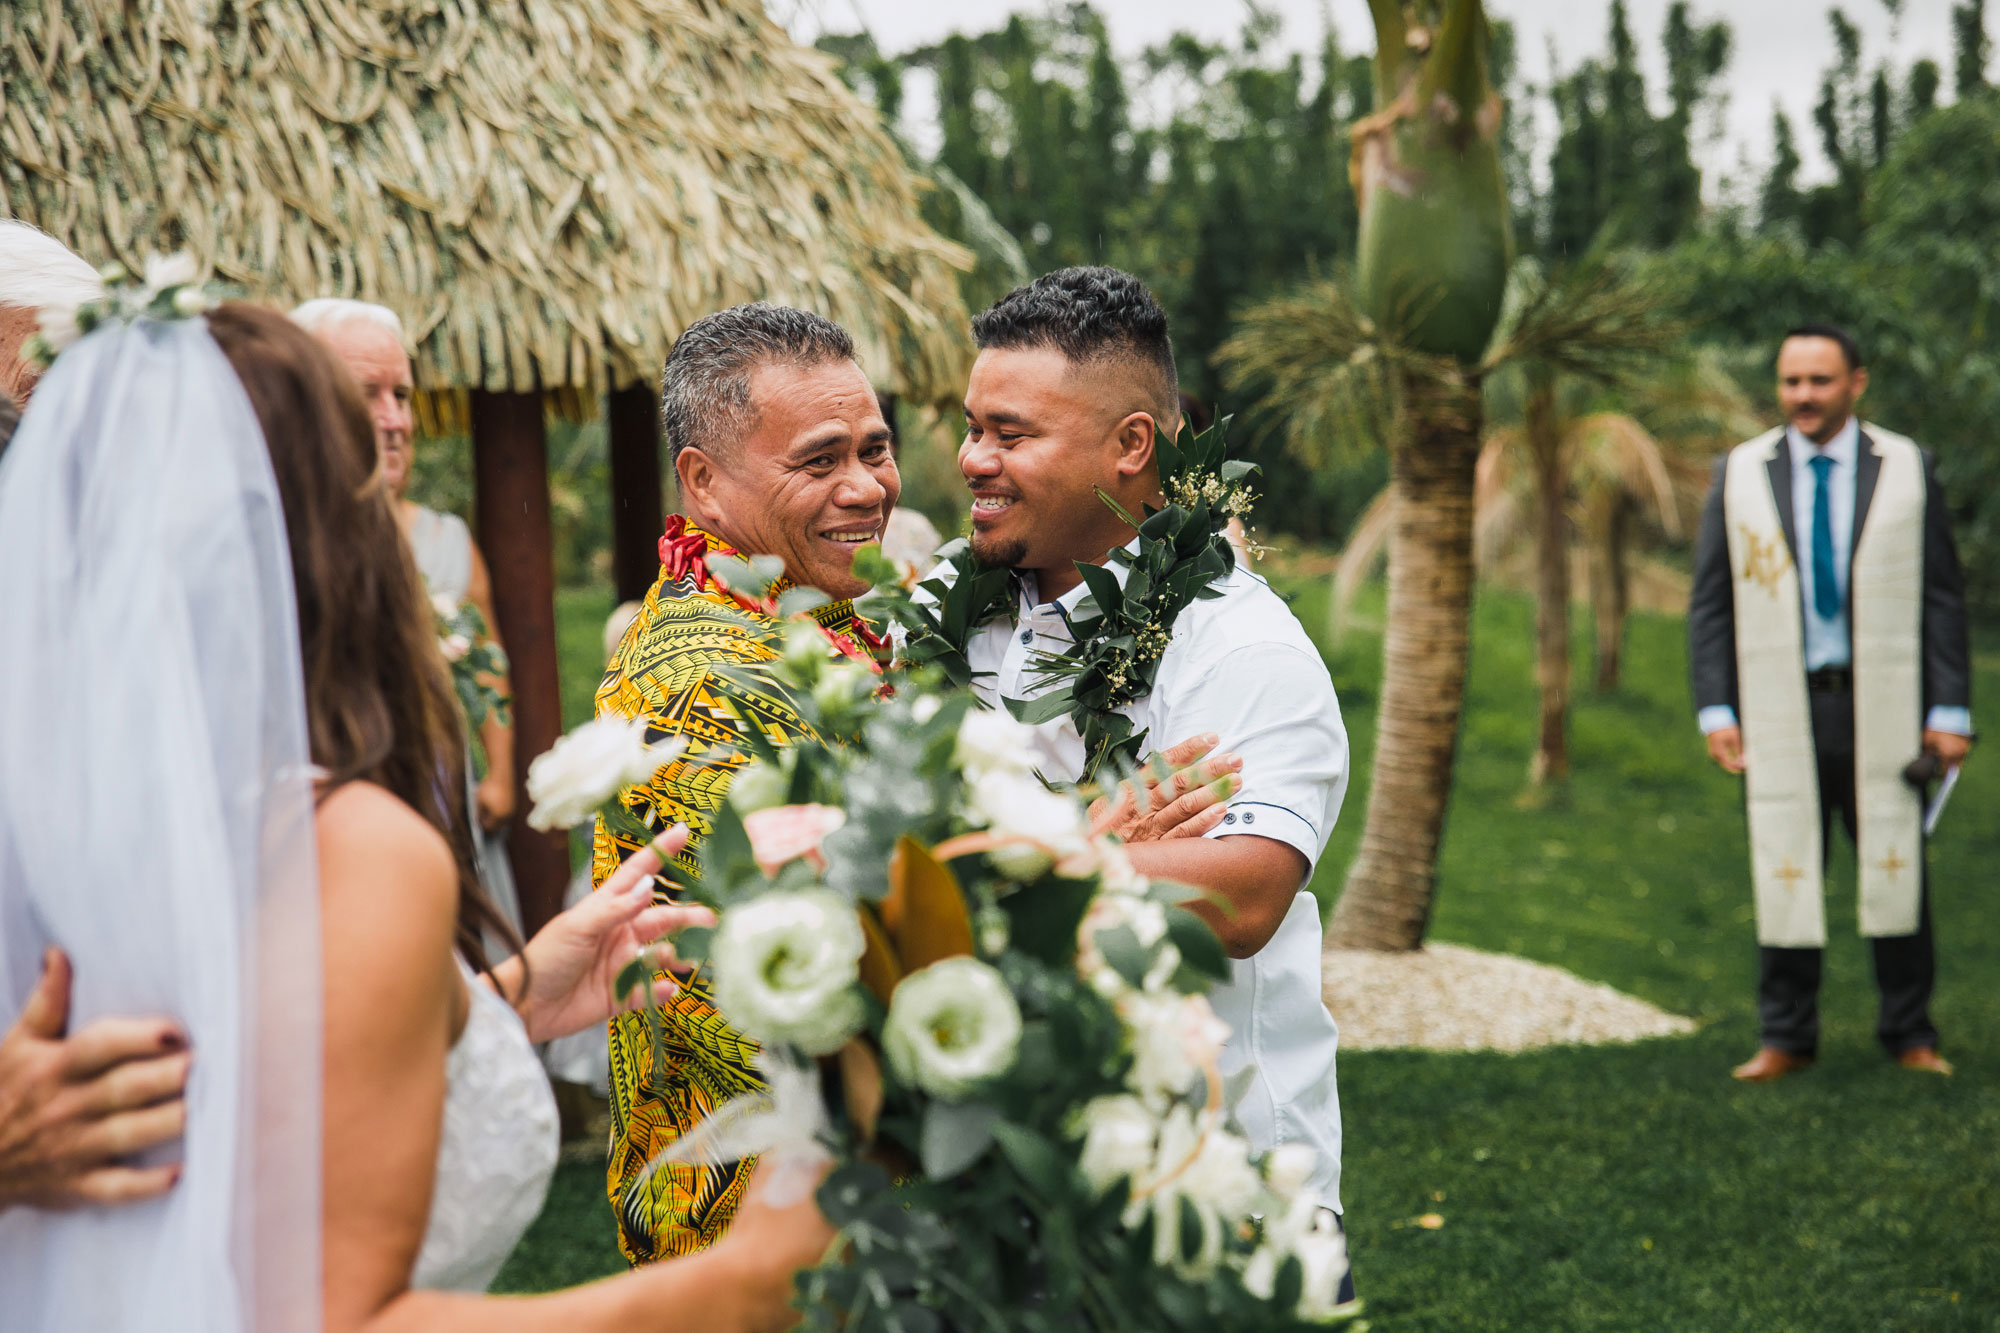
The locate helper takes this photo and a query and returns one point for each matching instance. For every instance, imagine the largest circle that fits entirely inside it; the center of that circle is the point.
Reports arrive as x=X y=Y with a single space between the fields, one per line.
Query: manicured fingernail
x=172 y=1041
x=1229 y=763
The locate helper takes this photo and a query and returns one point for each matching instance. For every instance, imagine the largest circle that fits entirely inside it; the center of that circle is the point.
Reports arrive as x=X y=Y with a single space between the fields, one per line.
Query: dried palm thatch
x=547 y=191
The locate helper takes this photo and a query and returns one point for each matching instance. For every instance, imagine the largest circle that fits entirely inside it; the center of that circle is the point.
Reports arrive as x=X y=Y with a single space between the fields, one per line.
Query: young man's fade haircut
x=1094 y=314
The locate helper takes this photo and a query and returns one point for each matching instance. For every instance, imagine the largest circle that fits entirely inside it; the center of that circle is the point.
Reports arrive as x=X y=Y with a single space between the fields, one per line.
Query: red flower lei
x=684 y=551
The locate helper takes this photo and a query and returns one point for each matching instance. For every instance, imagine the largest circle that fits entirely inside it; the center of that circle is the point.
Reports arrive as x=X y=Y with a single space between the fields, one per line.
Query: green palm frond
x=1328 y=369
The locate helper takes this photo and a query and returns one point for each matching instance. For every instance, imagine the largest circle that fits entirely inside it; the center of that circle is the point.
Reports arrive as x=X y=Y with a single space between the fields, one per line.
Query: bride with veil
x=229 y=791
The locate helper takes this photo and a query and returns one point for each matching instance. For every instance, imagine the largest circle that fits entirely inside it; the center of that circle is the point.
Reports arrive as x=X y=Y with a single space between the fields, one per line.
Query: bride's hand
x=574 y=959
x=767 y=1245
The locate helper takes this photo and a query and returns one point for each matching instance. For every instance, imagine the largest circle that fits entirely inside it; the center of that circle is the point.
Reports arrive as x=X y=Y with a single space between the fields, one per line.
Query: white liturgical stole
x=1885 y=607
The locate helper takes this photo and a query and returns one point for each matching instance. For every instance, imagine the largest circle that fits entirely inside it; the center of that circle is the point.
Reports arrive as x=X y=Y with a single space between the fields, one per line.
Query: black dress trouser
x=1905 y=966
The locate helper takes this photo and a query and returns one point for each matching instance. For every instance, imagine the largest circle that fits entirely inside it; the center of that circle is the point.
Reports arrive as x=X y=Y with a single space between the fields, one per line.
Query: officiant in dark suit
x=1827 y=640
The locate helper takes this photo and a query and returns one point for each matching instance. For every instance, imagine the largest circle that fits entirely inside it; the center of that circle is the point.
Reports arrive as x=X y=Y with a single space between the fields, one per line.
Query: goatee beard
x=998 y=551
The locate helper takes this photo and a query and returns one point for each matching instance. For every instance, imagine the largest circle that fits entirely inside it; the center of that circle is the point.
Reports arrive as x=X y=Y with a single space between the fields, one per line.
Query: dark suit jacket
x=1947 y=655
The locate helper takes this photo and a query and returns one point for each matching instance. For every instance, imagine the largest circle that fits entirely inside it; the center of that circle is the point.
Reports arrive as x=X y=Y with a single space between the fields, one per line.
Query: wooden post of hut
x=632 y=423
x=511 y=492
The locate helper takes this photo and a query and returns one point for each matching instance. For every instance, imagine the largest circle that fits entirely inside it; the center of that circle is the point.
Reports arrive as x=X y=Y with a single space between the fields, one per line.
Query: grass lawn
x=1624 y=1187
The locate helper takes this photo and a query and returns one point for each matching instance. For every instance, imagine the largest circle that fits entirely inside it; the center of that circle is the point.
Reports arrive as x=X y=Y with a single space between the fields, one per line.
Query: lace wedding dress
x=497 y=1150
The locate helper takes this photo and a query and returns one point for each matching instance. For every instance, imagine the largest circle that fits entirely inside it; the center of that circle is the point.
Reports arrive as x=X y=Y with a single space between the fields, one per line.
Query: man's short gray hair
x=39 y=272
x=328 y=312
x=705 y=387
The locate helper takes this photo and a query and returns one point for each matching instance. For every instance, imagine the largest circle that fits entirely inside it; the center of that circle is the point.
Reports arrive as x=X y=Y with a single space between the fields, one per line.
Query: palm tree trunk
x=1551 y=583
x=1610 y=595
x=1426 y=649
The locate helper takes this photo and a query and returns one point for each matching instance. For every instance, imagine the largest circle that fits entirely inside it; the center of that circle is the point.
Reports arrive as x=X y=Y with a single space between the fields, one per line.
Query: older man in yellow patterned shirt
x=780 y=449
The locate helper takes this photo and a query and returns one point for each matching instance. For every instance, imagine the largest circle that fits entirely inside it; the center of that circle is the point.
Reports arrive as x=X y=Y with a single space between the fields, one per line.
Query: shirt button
x=1229 y=819
x=1249 y=816
x=1027 y=636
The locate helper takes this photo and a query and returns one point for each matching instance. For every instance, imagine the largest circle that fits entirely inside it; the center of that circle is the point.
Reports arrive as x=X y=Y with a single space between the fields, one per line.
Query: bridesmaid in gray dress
x=369 y=340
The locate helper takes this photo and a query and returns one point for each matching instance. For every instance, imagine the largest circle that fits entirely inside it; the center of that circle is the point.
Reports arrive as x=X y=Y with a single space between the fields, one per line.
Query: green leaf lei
x=1182 y=555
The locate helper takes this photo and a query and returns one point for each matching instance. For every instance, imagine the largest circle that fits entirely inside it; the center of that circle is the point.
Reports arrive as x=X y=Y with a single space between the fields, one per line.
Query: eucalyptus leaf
x=955 y=1135
x=800 y=601
x=1124 y=954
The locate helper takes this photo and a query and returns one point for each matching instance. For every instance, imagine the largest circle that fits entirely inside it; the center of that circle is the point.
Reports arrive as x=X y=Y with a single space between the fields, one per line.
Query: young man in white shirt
x=1070 y=395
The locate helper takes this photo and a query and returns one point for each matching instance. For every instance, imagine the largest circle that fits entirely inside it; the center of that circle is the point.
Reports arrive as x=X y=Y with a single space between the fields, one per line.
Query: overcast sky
x=1781 y=47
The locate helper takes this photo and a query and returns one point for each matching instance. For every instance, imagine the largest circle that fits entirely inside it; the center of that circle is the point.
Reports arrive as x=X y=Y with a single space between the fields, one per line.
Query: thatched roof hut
x=547 y=191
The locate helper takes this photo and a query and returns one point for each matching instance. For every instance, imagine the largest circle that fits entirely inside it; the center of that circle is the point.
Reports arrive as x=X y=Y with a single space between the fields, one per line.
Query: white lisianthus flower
x=446 y=607
x=1174 y=1038
x=785 y=967
x=1116 y=868
x=1199 y=1162
x=807 y=649
x=843 y=685
x=1323 y=1255
x=1049 y=825
x=191 y=301
x=165 y=271
x=454 y=647
x=926 y=708
x=586 y=768
x=758 y=786
x=991 y=742
x=1148 y=922
x=952 y=1026
x=1221 y=1176
x=1118 y=1134
x=1289 y=1168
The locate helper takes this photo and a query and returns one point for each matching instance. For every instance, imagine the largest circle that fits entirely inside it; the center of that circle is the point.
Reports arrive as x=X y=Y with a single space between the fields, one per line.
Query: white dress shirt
x=1241 y=666
x=1829 y=642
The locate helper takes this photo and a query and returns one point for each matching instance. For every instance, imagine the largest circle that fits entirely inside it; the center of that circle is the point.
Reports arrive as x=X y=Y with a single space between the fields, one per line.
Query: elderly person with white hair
x=81 y=1110
x=37 y=273
x=370 y=341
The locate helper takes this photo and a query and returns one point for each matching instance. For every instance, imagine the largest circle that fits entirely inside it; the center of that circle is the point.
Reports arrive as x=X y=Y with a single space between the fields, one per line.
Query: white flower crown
x=168 y=290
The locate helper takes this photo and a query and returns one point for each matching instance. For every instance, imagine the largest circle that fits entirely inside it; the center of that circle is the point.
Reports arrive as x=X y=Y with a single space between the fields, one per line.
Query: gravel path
x=1445 y=997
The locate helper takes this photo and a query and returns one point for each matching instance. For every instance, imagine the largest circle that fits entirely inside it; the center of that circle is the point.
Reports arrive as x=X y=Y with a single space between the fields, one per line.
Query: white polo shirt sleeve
x=1273 y=704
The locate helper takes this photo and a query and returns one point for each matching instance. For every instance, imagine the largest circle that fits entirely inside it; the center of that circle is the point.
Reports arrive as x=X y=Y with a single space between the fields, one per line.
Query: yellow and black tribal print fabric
x=668 y=669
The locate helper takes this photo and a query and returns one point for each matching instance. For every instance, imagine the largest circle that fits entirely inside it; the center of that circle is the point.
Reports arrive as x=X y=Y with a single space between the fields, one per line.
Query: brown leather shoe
x=1769 y=1065
x=1925 y=1060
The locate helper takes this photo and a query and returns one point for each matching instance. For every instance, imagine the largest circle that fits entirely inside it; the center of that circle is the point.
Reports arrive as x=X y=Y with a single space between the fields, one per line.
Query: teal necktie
x=1826 y=592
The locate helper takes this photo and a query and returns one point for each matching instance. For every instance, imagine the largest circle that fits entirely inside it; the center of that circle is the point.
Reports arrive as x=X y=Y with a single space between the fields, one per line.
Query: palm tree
x=1401 y=362
x=1625 y=464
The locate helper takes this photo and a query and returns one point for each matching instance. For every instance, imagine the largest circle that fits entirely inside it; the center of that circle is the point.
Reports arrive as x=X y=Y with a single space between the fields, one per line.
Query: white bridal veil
x=156 y=823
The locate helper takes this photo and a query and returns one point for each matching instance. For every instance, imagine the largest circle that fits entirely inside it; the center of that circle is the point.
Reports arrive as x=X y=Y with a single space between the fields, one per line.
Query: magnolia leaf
x=1043 y=924
x=955 y=1135
x=925 y=911
x=861 y=1085
x=1199 y=947
x=1191 y=1230
x=881 y=970
x=1290 y=1283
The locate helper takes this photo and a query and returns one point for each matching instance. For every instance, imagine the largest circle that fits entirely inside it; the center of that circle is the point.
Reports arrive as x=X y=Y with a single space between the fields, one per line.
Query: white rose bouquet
x=1014 y=1040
